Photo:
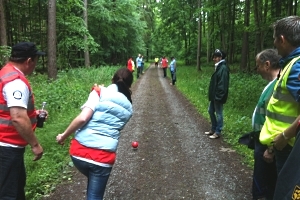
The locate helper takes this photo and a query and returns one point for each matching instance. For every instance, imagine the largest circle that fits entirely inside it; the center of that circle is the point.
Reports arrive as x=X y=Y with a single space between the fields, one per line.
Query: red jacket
x=129 y=65
x=164 y=63
x=8 y=133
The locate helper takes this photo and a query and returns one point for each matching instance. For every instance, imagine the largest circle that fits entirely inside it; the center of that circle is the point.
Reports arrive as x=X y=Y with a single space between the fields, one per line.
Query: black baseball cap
x=25 y=50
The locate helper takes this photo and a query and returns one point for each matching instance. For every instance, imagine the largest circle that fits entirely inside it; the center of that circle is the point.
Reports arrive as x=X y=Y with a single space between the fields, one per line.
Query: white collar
x=219 y=62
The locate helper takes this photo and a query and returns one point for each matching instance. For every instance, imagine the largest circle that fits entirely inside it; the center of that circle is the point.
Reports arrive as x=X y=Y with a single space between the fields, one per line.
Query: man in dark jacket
x=217 y=94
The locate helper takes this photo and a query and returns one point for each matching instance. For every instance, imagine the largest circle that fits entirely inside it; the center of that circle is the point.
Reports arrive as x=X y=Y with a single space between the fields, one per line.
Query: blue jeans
x=215 y=111
x=12 y=173
x=97 y=178
x=173 y=76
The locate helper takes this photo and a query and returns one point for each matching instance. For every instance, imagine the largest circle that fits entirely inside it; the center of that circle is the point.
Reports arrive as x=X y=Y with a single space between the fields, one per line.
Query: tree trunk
x=199 y=38
x=52 y=69
x=86 y=48
x=231 y=50
x=295 y=7
x=245 y=45
x=258 y=20
x=3 y=37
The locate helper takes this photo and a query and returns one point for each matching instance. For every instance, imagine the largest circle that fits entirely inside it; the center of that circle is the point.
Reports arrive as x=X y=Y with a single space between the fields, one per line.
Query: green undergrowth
x=65 y=95
x=244 y=92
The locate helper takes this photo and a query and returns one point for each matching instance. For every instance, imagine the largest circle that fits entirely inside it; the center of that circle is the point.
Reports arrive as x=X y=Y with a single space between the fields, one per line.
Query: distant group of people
x=139 y=66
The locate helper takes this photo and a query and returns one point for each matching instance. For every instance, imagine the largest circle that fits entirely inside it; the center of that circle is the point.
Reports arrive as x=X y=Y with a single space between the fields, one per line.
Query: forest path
x=174 y=160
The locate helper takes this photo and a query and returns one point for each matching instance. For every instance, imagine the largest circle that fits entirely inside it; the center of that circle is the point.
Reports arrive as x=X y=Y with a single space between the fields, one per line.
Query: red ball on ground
x=134 y=144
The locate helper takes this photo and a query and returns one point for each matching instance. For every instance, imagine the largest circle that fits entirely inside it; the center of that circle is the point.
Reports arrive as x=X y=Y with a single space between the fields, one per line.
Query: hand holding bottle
x=41 y=116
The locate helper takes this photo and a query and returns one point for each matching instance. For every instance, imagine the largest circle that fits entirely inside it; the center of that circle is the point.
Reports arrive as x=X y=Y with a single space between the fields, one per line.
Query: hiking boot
x=214 y=136
x=209 y=132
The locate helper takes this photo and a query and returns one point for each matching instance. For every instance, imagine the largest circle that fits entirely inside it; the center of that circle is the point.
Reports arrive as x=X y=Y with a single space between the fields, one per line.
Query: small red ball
x=135 y=144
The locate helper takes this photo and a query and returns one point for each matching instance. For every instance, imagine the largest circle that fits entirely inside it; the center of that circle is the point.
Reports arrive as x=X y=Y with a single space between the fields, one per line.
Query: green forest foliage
x=65 y=95
x=121 y=28
x=155 y=28
x=64 y=98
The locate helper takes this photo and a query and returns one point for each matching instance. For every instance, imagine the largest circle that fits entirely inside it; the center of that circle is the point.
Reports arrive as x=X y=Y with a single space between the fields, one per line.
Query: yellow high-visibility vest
x=282 y=109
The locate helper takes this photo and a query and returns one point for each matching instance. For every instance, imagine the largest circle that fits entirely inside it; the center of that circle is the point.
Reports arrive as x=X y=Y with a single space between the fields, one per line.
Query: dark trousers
x=282 y=156
x=12 y=173
x=264 y=174
x=165 y=72
x=138 y=71
x=288 y=181
x=142 y=68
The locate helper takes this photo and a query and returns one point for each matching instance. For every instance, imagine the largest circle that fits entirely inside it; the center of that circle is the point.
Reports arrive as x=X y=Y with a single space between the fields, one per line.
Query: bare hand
x=279 y=142
x=268 y=157
x=60 y=139
x=38 y=112
x=96 y=85
x=37 y=151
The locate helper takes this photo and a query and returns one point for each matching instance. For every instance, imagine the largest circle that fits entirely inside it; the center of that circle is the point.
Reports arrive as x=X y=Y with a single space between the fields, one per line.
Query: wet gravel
x=174 y=160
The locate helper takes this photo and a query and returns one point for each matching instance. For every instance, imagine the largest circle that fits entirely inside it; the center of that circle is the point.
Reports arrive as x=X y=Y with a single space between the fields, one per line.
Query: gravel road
x=174 y=160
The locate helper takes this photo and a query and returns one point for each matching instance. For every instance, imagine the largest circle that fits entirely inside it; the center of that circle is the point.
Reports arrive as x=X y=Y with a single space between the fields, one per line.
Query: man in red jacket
x=130 y=64
x=164 y=63
x=17 y=120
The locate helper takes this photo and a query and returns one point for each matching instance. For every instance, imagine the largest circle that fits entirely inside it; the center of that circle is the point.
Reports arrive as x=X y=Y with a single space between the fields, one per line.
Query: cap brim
x=40 y=53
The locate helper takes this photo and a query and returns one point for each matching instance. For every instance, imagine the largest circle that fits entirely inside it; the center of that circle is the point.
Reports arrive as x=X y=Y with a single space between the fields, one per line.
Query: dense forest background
x=77 y=33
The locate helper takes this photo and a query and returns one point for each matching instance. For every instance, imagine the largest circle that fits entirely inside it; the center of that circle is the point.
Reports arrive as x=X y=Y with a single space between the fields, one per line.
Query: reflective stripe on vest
x=8 y=133
x=282 y=109
x=9 y=122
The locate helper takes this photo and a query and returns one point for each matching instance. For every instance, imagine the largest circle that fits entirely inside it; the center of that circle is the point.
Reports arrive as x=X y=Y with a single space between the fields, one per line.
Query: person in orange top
x=130 y=64
x=18 y=120
x=164 y=63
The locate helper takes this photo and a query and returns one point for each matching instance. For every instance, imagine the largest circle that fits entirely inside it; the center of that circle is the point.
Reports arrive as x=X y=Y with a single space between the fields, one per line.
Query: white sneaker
x=209 y=133
x=214 y=136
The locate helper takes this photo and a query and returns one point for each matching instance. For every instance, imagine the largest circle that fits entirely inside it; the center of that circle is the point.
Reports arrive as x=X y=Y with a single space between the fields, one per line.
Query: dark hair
x=289 y=27
x=123 y=78
x=270 y=55
x=21 y=60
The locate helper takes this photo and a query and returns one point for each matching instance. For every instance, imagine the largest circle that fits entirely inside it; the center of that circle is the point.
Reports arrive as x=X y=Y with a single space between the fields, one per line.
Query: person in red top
x=164 y=63
x=130 y=64
x=18 y=119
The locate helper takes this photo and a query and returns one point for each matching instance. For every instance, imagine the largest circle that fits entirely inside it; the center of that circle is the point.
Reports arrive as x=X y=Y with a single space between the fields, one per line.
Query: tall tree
x=231 y=34
x=199 y=37
x=3 y=37
x=86 y=48
x=52 y=69
x=245 y=44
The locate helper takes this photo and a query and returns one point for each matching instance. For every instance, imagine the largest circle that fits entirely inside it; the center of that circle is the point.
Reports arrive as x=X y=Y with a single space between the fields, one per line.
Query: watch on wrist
x=285 y=137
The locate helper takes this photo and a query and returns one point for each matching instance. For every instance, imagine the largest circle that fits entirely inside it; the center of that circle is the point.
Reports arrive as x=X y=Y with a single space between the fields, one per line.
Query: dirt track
x=175 y=160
